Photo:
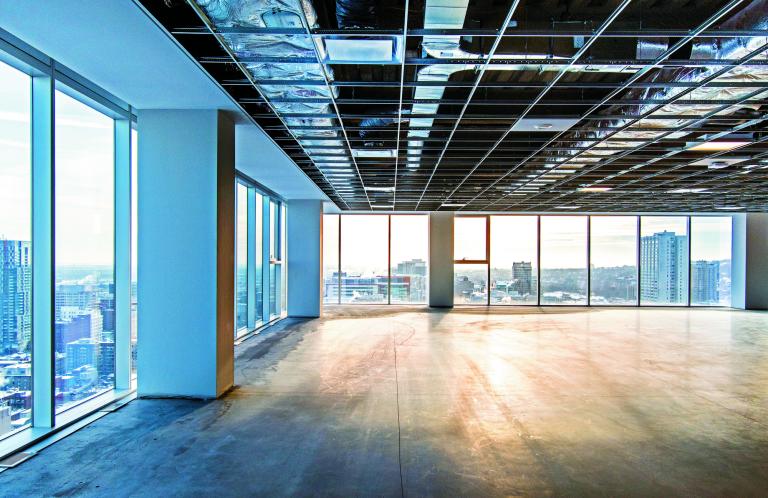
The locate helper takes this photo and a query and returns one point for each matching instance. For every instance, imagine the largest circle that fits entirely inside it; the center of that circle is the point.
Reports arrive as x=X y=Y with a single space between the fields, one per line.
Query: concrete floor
x=471 y=402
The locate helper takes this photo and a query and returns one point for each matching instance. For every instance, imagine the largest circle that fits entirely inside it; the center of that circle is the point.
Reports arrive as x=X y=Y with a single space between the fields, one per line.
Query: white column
x=186 y=249
x=441 y=259
x=304 y=226
x=750 y=264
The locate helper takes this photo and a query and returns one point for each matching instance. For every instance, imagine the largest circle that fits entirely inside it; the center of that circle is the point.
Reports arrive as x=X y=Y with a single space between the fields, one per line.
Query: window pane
x=274 y=271
x=85 y=312
x=134 y=248
x=409 y=253
x=564 y=260
x=330 y=258
x=241 y=265
x=469 y=238
x=613 y=260
x=364 y=258
x=15 y=251
x=514 y=259
x=284 y=266
x=258 y=259
x=470 y=284
x=664 y=260
x=711 y=260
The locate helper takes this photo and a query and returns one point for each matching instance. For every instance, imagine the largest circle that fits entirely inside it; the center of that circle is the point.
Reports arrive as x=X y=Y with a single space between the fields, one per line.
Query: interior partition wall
x=595 y=260
x=375 y=259
x=67 y=286
x=260 y=268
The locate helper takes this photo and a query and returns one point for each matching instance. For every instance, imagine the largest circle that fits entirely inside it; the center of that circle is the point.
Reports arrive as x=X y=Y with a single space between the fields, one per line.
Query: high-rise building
x=67 y=331
x=15 y=295
x=522 y=273
x=664 y=267
x=412 y=267
x=705 y=278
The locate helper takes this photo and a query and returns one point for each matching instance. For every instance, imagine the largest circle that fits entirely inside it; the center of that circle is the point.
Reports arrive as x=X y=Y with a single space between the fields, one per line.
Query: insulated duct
x=282 y=14
x=754 y=17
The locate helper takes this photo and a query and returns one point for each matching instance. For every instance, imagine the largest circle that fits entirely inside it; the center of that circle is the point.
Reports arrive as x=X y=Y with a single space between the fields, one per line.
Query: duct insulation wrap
x=754 y=17
x=356 y=14
x=283 y=14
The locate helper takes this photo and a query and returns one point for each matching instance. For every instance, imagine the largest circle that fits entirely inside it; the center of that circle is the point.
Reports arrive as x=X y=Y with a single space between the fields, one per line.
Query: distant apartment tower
x=704 y=282
x=664 y=267
x=412 y=267
x=522 y=274
x=15 y=295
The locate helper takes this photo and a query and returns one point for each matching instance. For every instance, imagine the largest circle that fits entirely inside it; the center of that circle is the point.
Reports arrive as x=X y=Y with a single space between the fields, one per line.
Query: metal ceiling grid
x=500 y=105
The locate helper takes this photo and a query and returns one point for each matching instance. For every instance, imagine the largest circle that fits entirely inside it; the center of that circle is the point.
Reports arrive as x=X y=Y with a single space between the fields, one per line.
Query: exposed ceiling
x=500 y=105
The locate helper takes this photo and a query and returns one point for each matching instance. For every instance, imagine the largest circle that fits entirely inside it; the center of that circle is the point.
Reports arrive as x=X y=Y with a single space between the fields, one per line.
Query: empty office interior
x=383 y=248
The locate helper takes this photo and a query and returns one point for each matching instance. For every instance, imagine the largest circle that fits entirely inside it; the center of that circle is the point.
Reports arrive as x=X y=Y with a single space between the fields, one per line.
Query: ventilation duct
x=754 y=17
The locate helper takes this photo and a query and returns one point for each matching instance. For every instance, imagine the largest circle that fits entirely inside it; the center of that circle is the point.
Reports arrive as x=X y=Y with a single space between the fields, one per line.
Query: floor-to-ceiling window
x=375 y=259
x=15 y=250
x=613 y=260
x=364 y=259
x=664 y=260
x=514 y=259
x=134 y=249
x=241 y=257
x=331 y=275
x=260 y=267
x=84 y=252
x=409 y=251
x=470 y=255
x=564 y=260
x=711 y=260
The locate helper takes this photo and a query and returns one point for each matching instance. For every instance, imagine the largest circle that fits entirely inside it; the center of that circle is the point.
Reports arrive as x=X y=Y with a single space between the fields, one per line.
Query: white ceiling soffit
x=117 y=46
x=259 y=158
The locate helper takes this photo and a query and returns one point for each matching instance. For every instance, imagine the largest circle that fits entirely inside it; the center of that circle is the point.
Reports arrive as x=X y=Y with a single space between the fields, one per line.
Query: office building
x=383 y=248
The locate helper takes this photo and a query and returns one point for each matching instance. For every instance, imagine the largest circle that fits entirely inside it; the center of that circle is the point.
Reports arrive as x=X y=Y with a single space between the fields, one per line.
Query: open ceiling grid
x=500 y=105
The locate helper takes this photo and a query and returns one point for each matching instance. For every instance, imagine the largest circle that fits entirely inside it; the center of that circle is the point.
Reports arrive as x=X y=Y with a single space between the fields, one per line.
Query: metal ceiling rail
x=633 y=79
x=490 y=103
x=211 y=28
x=327 y=79
x=689 y=163
x=699 y=120
x=508 y=117
x=478 y=79
x=603 y=27
x=431 y=61
x=400 y=104
x=498 y=84
x=511 y=32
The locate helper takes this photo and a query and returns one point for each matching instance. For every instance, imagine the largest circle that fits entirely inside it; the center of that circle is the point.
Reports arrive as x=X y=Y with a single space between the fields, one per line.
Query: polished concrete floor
x=471 y=402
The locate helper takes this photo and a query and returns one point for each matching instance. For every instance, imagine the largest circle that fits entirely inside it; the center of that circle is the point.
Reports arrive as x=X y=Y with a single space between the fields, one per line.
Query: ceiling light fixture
x=382 y=206
x=687 y=191
x=729 y=208
x=380 y=189
x=594 y=189
x=452 y=205
x=567 y=207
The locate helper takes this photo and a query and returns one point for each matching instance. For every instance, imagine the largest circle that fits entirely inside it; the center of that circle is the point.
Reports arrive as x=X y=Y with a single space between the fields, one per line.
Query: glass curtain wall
x=364 y=259
x=470 y=255
x=711 y=260
x=514 y=260
x=597 y=260
x=75 y=306
x=664 y=260
x=613 y=260
x=15 y=250
x=331 y=275
x=375 y=259
x=409 y=251
x=564 y=260
x=241 y=258
x=134 y=249
x=260 y=270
